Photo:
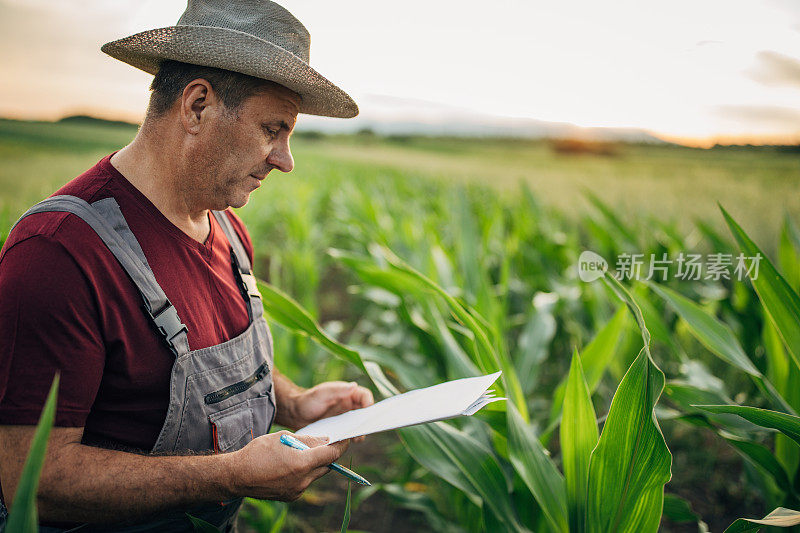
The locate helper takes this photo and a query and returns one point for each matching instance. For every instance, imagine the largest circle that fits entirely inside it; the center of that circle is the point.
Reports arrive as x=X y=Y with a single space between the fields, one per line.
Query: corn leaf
x=289 y=314
x=789 y=253
x=456 y=457
x=780 y=517
x=201 y=525
x=578 y=438
x=789 y=425
x=464 y=462
x=623 y=294
x=786 y=377
x=762 y=457
x=400 y=274
x=22 y=517
x=537 y=470
x=687 y=396
x=631 y=463
x=714 y=334
x=346 y=517
x=678 y=510
x=473 y=321
x=720 y=340
x=781 y=303
x=596 y=357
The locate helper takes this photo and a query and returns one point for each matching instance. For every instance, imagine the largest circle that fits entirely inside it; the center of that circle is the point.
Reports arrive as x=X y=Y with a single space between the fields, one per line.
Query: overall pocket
x=232 y=428
x=239 y=387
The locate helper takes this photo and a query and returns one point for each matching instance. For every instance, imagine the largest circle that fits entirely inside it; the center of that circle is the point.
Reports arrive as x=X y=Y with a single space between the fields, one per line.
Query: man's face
x=241 y=147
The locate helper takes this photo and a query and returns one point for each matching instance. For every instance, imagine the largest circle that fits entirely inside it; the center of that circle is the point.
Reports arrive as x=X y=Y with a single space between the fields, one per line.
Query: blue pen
x=289 y=440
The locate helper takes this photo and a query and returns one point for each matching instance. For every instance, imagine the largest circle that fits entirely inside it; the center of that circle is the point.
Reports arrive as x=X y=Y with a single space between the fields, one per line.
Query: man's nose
x=281 y=158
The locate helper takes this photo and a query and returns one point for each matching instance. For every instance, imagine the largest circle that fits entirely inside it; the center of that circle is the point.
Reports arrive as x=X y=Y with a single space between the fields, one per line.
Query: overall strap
x=241 y=268
x=106 y=219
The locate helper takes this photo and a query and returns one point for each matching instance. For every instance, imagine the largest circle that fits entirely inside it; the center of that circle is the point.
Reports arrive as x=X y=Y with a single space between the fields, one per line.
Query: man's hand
x=267 y=469
x=326 y=399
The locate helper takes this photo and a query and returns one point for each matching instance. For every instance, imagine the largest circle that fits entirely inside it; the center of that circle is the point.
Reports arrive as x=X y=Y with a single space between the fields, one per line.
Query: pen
x=289 y=440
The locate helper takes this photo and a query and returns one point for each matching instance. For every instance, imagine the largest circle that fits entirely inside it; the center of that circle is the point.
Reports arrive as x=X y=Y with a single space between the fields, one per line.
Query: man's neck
x=156 y=175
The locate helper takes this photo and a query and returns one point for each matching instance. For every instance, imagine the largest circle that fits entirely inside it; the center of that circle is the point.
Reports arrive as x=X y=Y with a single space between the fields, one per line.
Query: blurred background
x=496 y=141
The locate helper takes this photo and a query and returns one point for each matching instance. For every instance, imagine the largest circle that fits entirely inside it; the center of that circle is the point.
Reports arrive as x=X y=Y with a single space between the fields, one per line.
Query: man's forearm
x=84 y=484
x=81 y=483
x=286 y=392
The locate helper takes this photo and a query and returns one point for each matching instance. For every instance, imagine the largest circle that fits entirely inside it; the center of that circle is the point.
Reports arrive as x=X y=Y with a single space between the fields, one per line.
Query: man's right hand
x=266 y=469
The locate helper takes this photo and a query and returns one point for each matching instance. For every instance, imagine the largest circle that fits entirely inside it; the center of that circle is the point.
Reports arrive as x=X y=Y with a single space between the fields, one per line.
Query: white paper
x=445 y=400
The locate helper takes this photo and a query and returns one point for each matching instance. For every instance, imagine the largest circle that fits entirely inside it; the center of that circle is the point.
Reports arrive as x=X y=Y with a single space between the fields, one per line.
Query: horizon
x=696 y=75
x=735 y=143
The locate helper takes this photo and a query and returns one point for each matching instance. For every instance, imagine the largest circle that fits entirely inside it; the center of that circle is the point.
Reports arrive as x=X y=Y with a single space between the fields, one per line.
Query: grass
x=671 y=182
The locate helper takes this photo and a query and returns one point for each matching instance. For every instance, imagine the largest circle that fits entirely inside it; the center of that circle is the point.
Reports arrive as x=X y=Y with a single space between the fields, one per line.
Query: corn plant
x=613 y=482
x=781 y=335
x=23 y=517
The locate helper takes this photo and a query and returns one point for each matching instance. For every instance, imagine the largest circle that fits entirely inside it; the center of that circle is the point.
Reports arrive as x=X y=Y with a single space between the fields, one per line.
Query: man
x=134 y=283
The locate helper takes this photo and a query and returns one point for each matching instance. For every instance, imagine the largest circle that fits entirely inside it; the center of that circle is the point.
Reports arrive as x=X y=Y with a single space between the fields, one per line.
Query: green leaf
x=789 y=253
x=762 y=457
x=22 y=517
x=599 y=352
x=780 y=517
x=277 y=526
x=678 y=510
x=578 y=438
x=789 y=425
x=288 y=313
x=401 y=277
x=781 y=303
x=533 y=464
x=456 y=457
x=346 y=518
x=687 y=396
x=786 y=376
x=623 y=294
x=596 y=357
x=631 y=463
x=201 y=525
x=720 y=340
x=491 y=357
x=464 y=462
x=714 y=334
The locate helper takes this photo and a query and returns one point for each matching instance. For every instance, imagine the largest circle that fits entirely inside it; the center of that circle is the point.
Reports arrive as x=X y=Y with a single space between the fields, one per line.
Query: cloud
x=783 y=119
x=707 y=42
x=775 y=69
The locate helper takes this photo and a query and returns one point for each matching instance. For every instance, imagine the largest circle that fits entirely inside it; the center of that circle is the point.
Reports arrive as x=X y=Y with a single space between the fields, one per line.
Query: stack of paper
x=446 y=400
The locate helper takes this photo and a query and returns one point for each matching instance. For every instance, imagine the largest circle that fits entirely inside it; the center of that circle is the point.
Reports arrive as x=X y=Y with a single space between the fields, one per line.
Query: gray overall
x=221 y=397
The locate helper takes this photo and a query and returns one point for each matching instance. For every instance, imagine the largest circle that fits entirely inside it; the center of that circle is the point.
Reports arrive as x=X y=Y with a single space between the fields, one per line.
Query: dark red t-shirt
x=67 y=305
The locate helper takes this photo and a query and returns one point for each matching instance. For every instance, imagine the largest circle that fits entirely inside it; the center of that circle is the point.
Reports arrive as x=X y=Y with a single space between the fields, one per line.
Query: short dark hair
x=172 y=77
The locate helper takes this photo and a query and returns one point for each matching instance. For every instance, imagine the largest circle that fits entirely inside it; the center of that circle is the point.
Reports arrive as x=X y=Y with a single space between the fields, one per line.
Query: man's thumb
x=312 y=442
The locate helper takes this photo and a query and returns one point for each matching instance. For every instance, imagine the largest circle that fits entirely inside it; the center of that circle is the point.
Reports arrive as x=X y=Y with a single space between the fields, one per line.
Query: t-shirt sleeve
x=241 y=231
x=48 y=323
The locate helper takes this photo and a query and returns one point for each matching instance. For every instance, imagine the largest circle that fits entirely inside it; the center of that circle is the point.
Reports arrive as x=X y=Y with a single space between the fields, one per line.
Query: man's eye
x=272 y=132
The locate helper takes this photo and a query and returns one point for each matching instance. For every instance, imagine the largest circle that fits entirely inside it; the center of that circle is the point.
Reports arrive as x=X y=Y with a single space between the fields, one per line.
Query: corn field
x=401 y=281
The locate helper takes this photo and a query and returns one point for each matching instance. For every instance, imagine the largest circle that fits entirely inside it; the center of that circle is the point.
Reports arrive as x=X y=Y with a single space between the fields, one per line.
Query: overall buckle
x=168 y=324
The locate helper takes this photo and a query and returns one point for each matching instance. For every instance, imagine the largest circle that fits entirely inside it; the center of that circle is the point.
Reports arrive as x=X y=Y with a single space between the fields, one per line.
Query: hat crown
x=261 y=18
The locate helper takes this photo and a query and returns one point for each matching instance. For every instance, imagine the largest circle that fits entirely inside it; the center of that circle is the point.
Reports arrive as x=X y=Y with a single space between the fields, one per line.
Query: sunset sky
x=693 y=70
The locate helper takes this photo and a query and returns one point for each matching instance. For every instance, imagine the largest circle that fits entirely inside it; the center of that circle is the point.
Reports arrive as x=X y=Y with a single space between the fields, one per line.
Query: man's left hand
x=329 y=399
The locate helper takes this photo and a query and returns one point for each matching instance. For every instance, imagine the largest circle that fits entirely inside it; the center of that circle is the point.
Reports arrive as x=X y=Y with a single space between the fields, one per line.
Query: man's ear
x=198 y=103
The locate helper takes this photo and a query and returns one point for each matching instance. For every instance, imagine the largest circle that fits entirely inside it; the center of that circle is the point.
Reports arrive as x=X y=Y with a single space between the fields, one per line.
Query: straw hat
x=254 y=37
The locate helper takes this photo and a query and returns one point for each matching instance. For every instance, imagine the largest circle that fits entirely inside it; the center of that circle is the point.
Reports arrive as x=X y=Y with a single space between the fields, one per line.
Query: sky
x=695 y=71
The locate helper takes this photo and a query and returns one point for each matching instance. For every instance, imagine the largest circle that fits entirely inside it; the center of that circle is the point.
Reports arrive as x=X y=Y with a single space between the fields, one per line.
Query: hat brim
x=239 y=52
